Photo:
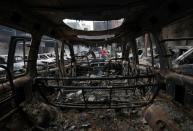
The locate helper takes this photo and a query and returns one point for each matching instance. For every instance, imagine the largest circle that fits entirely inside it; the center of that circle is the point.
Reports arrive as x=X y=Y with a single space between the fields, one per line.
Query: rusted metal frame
x=145 y=37
x=57 y=59
x=100 y=87
x=125 y=51
x=97 y=78
x=62 y=59
x=103 y=103
x=12 y=47
x=135 y=59
x=164 y=64
x=56 y=52
x=179 y=79
x=33 y=53
x=138 y=104
x=134 y=51
x=84 y=98
x=119 y=102
x=176 y=39
x=151 y=49
x=32 y=61
x=61 y=66
x=73 y=60
x=125 y=55
x=99 y=107
x=24 y=44
x=71 y=52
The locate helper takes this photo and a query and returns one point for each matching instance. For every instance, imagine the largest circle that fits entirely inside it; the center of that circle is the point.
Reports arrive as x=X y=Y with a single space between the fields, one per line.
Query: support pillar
x=33 y=54
x=134 y=51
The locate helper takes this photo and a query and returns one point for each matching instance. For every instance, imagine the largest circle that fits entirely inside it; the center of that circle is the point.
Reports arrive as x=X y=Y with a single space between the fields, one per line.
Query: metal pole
x=24 y=52
x=151 y=49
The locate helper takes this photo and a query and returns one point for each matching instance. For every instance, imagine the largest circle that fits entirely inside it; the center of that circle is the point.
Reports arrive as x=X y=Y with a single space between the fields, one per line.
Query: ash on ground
x=40 y=116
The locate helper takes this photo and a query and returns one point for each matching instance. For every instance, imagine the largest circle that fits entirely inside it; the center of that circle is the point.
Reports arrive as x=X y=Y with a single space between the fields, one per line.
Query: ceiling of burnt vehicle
x=48 y=16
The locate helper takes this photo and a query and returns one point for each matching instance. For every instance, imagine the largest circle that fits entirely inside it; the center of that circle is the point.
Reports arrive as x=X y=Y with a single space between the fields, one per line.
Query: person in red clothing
x=104 y=53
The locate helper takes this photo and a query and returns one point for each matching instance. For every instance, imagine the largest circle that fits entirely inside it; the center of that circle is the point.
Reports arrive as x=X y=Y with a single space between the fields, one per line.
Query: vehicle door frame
x=12 y=48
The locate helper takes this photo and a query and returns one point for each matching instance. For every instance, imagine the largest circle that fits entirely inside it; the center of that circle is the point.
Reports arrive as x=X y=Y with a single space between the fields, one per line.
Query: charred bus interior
x=96 y=65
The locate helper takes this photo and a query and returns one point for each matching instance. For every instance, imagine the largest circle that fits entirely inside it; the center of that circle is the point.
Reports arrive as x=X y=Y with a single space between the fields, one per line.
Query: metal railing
x=126 y=95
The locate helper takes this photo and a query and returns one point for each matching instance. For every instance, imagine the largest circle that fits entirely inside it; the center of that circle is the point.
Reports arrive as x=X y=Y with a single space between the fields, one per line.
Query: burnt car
x=184 y=63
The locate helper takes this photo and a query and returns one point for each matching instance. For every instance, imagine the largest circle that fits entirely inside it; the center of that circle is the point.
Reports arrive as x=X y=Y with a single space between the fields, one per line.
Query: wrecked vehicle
x=184 y=63
x=46 y=61
x=18 y=63
x=132 y=87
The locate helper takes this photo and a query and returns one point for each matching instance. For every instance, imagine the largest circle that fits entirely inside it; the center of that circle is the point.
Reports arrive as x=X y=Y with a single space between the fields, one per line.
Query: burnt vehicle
x=46 y=60
x=19 y=66
x=134 y=87
x=184 y=64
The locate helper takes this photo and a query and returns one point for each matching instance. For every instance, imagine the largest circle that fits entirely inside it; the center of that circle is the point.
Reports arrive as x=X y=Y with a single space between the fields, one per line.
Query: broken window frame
x=11 y=54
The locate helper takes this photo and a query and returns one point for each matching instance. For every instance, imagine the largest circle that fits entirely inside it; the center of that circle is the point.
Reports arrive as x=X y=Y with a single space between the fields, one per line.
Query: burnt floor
x=39 y=116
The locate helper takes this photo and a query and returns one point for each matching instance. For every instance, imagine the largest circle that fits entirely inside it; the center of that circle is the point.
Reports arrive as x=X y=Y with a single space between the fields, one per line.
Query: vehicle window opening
x=147 y=51
x=89 y=73
x=48 y=56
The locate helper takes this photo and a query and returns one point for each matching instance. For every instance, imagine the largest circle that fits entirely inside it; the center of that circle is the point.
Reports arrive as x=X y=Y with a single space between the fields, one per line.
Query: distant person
x=104 y=53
